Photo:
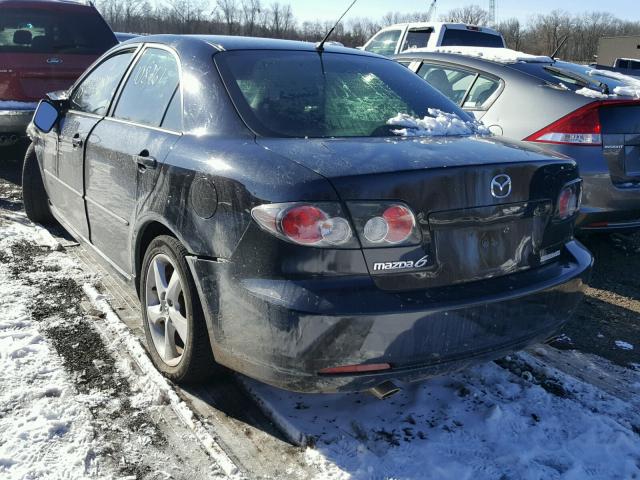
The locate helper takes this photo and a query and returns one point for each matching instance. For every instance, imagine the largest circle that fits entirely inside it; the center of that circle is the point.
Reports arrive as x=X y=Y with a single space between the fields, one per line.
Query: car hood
x=333 y=158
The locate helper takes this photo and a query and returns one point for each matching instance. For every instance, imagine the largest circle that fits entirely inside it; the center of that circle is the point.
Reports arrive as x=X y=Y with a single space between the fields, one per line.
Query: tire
x=34 y=195
x=195 y=361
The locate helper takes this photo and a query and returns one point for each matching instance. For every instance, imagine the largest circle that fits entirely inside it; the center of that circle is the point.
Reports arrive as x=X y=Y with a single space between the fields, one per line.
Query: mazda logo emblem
x=501 y=186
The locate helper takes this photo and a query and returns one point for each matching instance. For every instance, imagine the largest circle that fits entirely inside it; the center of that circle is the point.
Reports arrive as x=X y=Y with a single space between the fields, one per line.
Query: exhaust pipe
x=384 y=390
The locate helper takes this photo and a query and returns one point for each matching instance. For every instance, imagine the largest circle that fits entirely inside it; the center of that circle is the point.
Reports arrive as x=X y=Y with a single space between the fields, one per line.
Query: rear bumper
x=606 y=207
x=283 y=332
x=13 y=123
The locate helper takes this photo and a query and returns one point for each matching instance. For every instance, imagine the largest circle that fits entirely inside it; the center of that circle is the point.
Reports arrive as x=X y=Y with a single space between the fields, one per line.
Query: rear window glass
x=303 y=94
x=384 y=43
x=417 y=39
x=568 y=75
x=48 y=31
x=471 y=38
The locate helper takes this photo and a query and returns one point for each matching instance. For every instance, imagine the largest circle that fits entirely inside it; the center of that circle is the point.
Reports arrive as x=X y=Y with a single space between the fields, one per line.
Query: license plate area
x=478 y=243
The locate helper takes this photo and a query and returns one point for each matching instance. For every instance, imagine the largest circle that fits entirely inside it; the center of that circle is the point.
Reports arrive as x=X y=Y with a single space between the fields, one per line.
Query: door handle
x=76 y=141
x=144 y=160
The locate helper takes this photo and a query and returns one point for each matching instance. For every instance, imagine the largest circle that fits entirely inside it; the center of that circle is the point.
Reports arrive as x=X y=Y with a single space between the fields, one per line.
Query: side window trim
x=72 y=90
x=125 y=78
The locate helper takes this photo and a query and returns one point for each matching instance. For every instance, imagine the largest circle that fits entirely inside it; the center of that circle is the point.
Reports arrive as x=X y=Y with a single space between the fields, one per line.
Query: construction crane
x=432 y=10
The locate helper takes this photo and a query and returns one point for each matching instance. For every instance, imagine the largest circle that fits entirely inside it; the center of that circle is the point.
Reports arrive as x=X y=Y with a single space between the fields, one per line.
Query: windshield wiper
x=585 y=82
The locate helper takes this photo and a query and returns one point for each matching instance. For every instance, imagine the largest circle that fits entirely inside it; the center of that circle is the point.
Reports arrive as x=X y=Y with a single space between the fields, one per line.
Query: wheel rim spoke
x=170 y=351
x=159 y=277
x=174 y=288
x=155 y=314
x=179 y=323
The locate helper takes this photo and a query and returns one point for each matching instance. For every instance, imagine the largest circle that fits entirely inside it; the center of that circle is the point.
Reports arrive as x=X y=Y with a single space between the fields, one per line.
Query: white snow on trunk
x=436 y=124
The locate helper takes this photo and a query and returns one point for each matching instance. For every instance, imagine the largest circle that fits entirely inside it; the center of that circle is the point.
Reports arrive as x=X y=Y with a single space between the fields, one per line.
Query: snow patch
x=588 y=92
x=436 y=124
x=499 y=55
x=155 y=389
x=623 y=345
x=631 y=87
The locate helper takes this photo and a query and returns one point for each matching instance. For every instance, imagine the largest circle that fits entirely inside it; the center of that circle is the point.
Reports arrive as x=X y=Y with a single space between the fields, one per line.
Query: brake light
x=581 y=127
x=569 y=200
x=318 y=225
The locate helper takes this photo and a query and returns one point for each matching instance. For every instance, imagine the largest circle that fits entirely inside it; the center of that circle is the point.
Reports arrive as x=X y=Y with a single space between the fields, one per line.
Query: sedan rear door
x=125 y=150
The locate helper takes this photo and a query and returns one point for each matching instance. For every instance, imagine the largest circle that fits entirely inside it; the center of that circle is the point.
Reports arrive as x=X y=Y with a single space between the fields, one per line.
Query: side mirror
x=46 y=116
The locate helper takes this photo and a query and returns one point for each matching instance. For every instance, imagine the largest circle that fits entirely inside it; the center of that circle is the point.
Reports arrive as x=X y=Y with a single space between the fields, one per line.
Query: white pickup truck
x=430 y=35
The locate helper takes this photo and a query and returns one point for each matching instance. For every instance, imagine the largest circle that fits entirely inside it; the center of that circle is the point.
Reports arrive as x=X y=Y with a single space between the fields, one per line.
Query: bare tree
x=229 y=13
x=251 y=10
x=471 y=14
x=512 y=33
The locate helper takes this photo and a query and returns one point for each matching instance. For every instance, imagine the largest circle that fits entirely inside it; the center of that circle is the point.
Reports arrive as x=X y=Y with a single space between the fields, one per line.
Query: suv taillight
x=569 y=200
x=581 y=127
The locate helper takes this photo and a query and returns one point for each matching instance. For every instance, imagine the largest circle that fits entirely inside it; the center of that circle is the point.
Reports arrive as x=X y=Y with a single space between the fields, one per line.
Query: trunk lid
x=468 y=233
x=28 y=77
x=620 y=123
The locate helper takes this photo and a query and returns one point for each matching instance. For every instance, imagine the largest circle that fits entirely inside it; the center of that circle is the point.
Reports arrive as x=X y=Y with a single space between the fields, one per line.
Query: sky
x=332 y=9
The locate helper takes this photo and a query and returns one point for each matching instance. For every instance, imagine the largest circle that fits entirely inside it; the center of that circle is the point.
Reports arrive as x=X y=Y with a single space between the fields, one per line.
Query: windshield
x=44 y=31
x=470 y=38
x=302 y=94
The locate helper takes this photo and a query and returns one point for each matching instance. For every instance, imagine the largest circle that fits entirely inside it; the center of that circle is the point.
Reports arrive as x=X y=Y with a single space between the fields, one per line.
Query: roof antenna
x=557 y=50
x=320 y=46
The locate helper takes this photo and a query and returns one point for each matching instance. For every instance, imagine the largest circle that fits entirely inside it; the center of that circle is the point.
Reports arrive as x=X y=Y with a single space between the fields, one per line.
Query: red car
x=44 y=46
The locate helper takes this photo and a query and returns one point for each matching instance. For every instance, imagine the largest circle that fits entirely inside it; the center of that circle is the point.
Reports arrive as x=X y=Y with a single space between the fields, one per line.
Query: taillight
x=382 y=224
x=317 y=225
x=581 y=127
x=569 y=200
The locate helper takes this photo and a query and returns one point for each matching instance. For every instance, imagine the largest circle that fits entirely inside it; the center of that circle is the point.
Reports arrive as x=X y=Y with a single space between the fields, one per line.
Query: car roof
x=47 y=4
x=470 y=61
x=231 y=43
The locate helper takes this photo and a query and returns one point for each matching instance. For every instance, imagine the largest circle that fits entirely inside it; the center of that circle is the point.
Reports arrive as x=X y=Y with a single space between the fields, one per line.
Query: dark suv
x=44 y=46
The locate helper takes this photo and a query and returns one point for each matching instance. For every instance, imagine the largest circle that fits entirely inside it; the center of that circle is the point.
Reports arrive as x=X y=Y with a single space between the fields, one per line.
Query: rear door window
x=384 y=43
x=149 y=89
x=95 y=92
x=481 y=93
x=417 y=38
x=29 y=30
x=453 y=83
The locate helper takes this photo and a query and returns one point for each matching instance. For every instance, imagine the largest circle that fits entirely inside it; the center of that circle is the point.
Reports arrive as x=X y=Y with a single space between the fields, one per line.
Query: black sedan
x=318 y=219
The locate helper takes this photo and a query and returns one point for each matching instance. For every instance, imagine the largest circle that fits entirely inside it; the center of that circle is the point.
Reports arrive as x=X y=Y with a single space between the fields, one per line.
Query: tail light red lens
x=384 y=224
x=581 y=127
x=401 y=223
x=324 y=224
x=302 y=224
x=318 y=225
x=569 y=200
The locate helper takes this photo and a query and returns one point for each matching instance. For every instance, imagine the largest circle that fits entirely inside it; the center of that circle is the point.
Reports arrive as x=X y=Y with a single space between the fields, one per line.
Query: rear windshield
x=569 y=75
x=304 y=94
x=470 y=38
x=51 y=31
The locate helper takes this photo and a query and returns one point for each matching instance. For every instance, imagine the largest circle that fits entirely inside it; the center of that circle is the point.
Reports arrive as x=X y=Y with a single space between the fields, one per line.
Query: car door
x=88 y=103
x=124 y=151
